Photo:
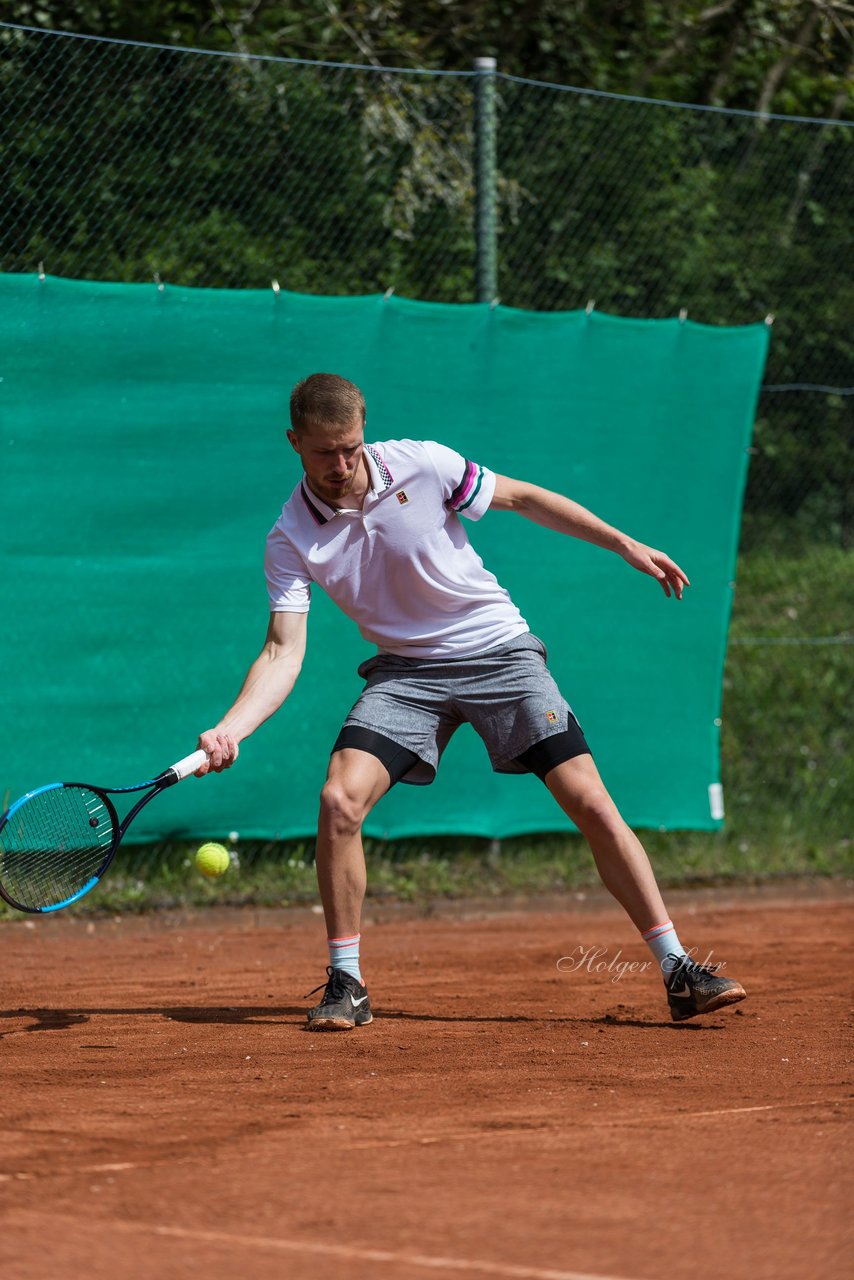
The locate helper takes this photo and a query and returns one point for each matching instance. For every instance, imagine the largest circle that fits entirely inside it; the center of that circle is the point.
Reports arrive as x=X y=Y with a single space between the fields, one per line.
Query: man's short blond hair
x=326 y=400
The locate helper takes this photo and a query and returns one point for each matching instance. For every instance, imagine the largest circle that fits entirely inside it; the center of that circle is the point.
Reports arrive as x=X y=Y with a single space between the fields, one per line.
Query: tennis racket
x=57 y=841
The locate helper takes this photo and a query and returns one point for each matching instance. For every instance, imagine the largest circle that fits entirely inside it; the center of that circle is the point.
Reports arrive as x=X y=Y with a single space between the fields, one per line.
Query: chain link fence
x=126 y=162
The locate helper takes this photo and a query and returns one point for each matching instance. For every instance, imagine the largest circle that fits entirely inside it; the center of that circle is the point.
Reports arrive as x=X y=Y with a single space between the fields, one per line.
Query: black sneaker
x=696 y=988
x=345 y=1004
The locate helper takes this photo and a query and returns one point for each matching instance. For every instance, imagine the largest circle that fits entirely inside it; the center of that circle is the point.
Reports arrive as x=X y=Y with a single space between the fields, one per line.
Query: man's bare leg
x=621 y=859
x=354 y=783
x=625 y=869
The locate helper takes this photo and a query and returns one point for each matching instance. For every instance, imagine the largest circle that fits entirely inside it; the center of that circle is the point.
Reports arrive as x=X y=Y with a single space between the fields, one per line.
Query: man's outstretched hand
x=657 y=565
x=222 y=751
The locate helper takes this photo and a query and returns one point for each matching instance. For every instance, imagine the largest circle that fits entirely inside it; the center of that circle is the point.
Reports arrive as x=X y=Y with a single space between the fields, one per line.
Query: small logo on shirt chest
x=401 y=497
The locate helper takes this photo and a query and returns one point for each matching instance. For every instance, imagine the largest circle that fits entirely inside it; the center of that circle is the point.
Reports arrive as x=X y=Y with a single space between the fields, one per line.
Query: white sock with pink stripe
x=344 y=954
x=663 y=943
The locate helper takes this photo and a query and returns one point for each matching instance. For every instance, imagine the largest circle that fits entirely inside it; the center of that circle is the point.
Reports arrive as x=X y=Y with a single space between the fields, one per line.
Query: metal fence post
x=485 y=211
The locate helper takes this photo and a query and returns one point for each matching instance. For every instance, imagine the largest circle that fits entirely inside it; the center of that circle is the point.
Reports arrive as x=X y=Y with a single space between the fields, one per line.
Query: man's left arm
x=554 y=511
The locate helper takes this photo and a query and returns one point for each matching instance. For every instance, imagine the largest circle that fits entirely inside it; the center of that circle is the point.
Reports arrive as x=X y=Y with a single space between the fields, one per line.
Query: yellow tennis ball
x=212 y=860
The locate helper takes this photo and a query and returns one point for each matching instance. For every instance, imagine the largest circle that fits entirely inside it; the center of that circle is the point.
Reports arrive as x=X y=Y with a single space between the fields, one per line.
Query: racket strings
x=54 y=844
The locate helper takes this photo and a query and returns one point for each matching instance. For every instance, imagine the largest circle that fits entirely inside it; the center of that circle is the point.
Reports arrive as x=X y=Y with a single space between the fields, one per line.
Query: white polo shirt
x=402 y=568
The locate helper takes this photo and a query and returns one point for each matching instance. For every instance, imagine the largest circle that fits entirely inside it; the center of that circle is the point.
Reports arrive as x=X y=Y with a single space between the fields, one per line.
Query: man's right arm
x=268 y=683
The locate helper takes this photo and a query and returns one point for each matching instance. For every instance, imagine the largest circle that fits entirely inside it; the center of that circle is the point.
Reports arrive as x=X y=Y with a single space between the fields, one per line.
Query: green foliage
x=801 y=487
x=729 y=54
x=786 y=727
x=131 y=162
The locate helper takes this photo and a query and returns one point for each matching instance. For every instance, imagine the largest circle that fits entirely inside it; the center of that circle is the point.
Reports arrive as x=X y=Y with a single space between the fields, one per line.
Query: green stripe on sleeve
x=475 y=492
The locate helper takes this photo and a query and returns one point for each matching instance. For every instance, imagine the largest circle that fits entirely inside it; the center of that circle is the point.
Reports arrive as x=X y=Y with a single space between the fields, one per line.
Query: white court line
x=472 y=1136
x=430 y=1262
x=119 y=1167
x=770 y=1106
x=563 y=1130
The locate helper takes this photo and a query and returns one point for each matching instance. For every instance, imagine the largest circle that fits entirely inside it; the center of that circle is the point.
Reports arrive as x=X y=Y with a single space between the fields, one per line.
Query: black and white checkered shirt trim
x=385 y=475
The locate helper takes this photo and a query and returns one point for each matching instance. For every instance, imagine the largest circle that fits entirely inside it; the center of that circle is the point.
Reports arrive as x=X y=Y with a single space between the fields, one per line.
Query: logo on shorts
x=551 y=716
x=401 y=497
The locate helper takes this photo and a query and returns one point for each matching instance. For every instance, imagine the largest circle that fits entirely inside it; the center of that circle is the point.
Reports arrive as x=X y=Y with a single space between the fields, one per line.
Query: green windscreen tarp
x=144 y=460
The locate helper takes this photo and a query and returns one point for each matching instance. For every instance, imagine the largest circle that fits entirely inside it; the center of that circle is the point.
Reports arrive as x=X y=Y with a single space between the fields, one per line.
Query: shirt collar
x=319 y=511
x=381 y=477
x=380 y=480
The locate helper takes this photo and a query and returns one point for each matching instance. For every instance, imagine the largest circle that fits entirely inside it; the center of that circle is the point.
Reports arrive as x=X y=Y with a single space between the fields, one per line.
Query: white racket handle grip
x=189 y=764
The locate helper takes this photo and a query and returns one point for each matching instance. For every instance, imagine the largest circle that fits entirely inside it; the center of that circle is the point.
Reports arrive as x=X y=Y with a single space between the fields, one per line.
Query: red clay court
x=166 y=1115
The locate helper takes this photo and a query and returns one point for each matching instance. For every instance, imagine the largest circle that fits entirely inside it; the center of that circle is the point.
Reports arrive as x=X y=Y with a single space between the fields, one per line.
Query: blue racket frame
x=166 y=779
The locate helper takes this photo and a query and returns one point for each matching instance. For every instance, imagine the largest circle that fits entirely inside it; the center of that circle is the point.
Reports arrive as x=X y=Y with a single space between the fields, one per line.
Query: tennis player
x=380 y=528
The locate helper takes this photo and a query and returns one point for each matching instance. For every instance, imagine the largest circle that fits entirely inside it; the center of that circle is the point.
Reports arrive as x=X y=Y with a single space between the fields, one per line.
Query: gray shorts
x=506 y=694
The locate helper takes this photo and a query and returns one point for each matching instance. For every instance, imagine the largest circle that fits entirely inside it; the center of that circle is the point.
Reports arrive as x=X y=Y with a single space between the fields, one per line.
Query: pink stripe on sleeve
x=464 y=487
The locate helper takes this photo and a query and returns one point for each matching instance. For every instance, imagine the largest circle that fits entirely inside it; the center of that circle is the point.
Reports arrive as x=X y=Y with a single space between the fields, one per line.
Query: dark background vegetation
x=120 y=163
